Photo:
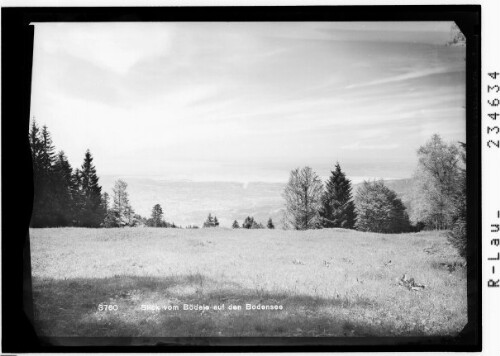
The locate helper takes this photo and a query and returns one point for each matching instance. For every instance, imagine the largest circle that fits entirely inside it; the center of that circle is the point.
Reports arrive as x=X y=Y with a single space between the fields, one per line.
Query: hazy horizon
x=188 y=202
x=247 y=102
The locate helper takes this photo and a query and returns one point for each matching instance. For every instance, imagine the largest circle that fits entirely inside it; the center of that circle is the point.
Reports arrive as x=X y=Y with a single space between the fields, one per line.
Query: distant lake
x=188 y=202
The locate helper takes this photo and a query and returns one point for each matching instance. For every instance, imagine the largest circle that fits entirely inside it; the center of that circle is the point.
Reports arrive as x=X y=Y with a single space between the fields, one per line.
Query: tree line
x=438 y=198
x=64 y=196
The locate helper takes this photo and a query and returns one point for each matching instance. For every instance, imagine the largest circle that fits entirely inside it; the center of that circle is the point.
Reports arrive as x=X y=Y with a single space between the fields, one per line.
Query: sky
x=249 y=101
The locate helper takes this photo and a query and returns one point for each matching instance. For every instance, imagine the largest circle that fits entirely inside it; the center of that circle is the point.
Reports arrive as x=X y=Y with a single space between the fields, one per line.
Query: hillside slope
x=330 y=282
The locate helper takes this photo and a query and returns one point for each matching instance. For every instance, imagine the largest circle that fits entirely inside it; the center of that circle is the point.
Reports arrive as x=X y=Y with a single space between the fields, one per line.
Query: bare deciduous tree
x=302 y=197
x=121 y=205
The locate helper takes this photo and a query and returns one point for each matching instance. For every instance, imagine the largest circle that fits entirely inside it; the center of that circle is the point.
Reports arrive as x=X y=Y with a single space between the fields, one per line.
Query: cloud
x=407 y=76
x=115 y=46
x=145 y=98
x=358 y=147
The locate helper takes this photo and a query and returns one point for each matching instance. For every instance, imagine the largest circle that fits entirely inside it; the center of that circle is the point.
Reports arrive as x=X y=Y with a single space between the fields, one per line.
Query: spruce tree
x=248 y=223
x=92 y=214
x=43 y=156
x=270 y=224
x=236 y=225
x=62 y=190
x=36 y=149
x=337 y=206
x=77 y=197
x=157 y=216
x=209 y=222
x=47 y=154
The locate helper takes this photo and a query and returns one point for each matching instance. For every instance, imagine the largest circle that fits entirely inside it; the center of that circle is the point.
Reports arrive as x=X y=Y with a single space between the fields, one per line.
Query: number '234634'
x=494 y=102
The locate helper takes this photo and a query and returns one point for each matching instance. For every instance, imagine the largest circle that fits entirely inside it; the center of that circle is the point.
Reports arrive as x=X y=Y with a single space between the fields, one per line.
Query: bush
x=250 y=223
x=211 y=222
x=380 y=210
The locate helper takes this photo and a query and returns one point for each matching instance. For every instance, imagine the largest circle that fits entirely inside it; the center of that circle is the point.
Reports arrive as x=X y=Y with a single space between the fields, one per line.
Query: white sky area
x=248 y=101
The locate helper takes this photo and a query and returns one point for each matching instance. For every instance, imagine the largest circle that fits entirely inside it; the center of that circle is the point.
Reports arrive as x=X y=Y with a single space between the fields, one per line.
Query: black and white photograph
x=242 y=180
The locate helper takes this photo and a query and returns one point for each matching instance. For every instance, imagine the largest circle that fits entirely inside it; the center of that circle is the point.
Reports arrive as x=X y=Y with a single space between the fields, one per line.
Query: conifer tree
x=43 y=156
x=210 y=222
x=337 y=206
x=36 y=149
x=216 y=222
x=92 y=214
x=248 y=223
x=236 y=225
x=157 y=216
x=62 y=190
x=77 y=197
x=47 y=154
x=270 y=224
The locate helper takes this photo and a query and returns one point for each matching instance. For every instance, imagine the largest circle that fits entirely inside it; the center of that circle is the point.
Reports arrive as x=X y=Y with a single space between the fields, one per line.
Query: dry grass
x=331 y=282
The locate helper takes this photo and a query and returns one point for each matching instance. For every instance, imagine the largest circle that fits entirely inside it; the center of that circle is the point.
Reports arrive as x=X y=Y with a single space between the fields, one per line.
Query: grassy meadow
x=330 y=282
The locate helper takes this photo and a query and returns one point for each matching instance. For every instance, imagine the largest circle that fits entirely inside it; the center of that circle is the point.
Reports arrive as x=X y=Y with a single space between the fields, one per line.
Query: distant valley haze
x=188 y=202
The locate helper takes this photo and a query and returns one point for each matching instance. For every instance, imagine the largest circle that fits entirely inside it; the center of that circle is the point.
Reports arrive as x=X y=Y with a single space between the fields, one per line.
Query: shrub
x=380 y=210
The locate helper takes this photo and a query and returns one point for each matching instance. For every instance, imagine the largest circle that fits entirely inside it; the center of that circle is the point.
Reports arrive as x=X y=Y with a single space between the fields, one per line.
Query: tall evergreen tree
x=337 y=206
x=78 y=197
x=36 y=152
x=157 y=216
x=270 y=224
x=47 y=154
x=43 y=156
x=36 y=148
x=62 y=190
x=92 y=214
